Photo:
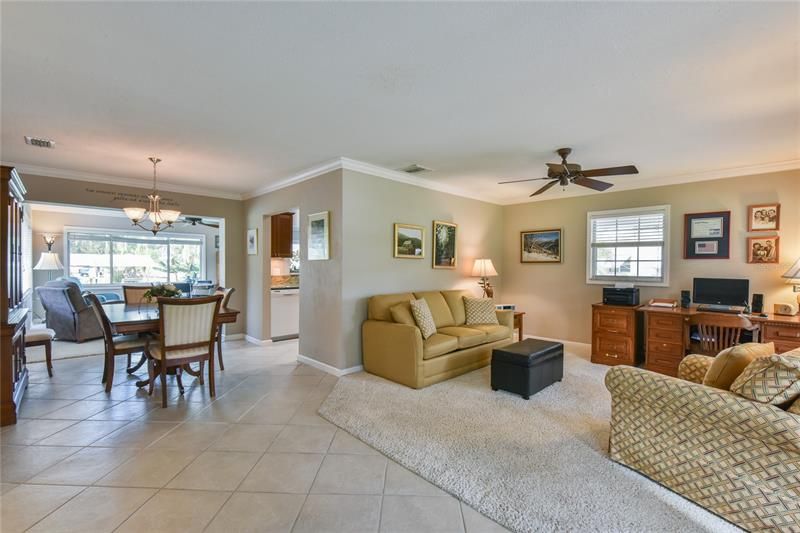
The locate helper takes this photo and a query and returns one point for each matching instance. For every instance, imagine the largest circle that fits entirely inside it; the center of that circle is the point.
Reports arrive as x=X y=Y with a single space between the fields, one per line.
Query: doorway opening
x=284 y=275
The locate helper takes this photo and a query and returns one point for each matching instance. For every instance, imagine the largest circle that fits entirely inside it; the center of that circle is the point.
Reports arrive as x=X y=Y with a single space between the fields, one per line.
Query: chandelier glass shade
x=159 y=219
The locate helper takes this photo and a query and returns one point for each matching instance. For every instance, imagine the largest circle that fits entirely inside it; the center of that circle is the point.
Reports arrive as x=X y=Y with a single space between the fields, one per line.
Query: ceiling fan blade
x=209 y=224
x=597 y=185
x=543 y=189
x=521 y=180
x=611 y=171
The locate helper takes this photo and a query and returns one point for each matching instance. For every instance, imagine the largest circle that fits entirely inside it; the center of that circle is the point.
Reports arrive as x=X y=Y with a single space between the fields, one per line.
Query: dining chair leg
x=151 y=372
x=109 y=371
x=48 y=355
x=163 y=384
x=178 y=373
x=219 y=347
x=200 y=377
x=211 y=385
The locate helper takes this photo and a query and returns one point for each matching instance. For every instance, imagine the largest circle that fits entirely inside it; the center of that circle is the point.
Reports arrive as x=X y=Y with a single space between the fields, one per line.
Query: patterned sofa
x=735 y=457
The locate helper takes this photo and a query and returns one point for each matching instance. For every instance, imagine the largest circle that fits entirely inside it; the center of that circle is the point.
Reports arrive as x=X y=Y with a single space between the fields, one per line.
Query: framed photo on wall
x=445 y=249
x=319 y=236
x=252 y=241
x=764 y=217
x=409 y=241
x=707 y=235
x=540 y=246
x=763 y=250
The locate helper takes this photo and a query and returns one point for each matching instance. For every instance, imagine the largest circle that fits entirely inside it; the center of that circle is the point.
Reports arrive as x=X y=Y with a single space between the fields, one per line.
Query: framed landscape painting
x=409 y=241
x=319 y=236
x=444 y=244
x=541 y=246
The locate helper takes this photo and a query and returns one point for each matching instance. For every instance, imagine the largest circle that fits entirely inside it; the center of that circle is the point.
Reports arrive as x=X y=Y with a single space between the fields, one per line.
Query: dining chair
x=114 y=344
x=134 y=294
x=188 y=328
x=720 y=331
x=226 y=297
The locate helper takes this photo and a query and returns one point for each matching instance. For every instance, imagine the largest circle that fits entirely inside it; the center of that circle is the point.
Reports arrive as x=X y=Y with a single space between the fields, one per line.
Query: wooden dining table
x=139 y=318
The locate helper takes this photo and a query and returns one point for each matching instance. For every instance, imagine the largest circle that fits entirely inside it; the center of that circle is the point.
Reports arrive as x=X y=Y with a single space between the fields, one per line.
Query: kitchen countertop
x=283 y=288
x=291 y=281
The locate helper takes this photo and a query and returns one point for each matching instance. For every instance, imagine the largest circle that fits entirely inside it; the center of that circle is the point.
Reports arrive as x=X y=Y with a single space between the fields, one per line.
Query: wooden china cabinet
x=13 y=373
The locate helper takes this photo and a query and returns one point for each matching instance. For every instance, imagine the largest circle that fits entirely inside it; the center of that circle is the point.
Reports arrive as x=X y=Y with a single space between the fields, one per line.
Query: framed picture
x=764 y=217
x=540 y=246
x=763 y=249
x=319 y=236
x=707 y=235
x=409 y=241
x=445 y=251
x=252 y=241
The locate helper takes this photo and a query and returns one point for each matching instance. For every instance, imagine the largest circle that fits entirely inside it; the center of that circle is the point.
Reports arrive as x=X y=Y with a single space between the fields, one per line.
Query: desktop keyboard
x=713 y=308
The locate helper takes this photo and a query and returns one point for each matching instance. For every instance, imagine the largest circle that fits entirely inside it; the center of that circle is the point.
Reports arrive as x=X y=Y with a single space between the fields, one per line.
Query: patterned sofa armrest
x=694 y=367
x=713 y=408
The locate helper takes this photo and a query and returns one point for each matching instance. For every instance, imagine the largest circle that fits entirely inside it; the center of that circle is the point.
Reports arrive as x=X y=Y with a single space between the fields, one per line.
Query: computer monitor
x=721 y=291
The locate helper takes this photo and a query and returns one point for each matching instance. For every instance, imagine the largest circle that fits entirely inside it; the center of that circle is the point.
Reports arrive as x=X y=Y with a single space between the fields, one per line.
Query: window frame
x=665 y=247
x=127 y=232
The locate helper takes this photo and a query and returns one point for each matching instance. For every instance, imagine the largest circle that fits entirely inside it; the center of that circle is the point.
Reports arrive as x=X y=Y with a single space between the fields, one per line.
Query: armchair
x=68 y=314
x=104 y=297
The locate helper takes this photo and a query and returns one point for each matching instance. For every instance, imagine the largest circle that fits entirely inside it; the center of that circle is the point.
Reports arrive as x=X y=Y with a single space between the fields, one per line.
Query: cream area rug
x=66 y=350
x=536 y=465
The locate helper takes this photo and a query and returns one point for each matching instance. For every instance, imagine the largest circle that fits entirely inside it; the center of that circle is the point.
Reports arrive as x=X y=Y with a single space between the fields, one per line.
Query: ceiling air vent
x=41 y=143
x=414 y=169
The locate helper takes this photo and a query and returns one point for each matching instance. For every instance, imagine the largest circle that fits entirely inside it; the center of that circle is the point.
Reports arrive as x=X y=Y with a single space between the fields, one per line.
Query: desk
x=518 y=322
x=667 y=335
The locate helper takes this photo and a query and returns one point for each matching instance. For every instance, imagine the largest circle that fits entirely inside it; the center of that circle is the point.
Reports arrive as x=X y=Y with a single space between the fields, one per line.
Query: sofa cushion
x=494 y=332
x=794 y=408
x=438 y=344
x=401 y=313
x=467 y=337
x=441 y=313
x=730 y=363
x=455 y=301
x=378 y=306
x=480 y=311
x=774 y=380
x=423 y=317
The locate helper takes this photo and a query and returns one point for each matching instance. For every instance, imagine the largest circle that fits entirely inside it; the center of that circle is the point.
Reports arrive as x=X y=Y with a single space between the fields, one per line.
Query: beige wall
x=371 y=207
x=320 y=281
x=557 y=298
x=89 y=194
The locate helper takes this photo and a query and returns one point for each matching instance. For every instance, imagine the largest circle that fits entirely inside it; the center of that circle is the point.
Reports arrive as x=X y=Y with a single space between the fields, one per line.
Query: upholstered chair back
x=134 y=294
x=188 y=322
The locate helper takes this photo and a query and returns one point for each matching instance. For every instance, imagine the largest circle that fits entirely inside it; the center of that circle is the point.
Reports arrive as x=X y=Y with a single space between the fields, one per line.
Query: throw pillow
x=480 y=311
x=774 y=380
x=794 y=408
x=401 y=313
x=423 y=317
x=730 y=363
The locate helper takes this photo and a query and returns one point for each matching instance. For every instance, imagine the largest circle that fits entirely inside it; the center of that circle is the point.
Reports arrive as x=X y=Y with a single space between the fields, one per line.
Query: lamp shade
x=49 y=261
x=483 y=268
x=793 y=274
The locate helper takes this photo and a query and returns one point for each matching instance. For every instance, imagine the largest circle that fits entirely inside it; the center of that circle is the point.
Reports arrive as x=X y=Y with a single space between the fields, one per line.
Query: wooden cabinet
x=13 y=373
x=614 y=335
x=785 y=334
x=665 y=341
x=281 y=235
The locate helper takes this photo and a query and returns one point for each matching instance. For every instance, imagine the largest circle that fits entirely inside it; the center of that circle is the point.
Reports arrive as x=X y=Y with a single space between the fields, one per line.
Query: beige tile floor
x=255 y=458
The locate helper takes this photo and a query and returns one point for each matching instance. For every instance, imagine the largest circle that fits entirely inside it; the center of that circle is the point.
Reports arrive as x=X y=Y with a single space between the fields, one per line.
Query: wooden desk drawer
x=665 y=335
x=667 y=370
x=672 y=349
x=664 y=321
x=663 y=360
x=776 y=332
x=612 y=349
x=618 y=321
x=783 y=346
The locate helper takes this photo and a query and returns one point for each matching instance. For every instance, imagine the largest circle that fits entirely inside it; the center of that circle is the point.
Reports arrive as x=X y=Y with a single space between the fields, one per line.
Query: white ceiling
x=236 y=96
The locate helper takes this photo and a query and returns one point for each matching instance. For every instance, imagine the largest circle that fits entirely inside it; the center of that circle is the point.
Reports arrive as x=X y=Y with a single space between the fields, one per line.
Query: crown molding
x=303 y=175
x=115 y=180
x=662 y=181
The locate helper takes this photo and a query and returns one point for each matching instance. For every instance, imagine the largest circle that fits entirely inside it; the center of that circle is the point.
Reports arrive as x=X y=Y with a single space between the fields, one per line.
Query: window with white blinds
x=629 y=245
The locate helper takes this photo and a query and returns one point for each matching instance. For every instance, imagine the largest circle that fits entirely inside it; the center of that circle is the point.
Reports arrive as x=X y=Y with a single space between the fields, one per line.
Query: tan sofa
x=396 y=351
x=737 y=458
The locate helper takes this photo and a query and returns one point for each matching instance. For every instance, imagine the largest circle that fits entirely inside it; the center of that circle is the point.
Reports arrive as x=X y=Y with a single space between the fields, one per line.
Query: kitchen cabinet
x=281 y=235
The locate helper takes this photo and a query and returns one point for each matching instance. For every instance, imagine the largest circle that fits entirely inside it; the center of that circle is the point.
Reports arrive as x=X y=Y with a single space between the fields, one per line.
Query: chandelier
x=160 y=219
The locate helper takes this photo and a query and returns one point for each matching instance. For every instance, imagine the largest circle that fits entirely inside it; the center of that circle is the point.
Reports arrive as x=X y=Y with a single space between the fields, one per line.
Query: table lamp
x=484 y=269
x=49 y=259
x=793 y=276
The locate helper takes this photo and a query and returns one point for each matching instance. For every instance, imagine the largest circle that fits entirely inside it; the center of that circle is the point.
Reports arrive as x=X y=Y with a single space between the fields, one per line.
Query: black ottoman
x=527 y=367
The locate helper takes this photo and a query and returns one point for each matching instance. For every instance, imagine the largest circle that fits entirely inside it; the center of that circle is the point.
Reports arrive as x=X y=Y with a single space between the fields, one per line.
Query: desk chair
x=719 y=331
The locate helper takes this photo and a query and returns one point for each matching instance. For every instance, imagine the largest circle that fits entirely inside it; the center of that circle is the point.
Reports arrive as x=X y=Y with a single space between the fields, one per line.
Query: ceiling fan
x=193 y=221
x=565 y=173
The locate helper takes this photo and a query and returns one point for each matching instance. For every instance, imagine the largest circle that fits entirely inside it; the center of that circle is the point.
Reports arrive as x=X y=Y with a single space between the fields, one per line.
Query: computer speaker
x=686 y=299
x=758 y=304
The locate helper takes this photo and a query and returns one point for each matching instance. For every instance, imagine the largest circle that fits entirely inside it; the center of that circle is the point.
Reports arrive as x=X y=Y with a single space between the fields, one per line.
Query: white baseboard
x=257 y=342
x=338 y=372
x=233 y=337
x=581 y=349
